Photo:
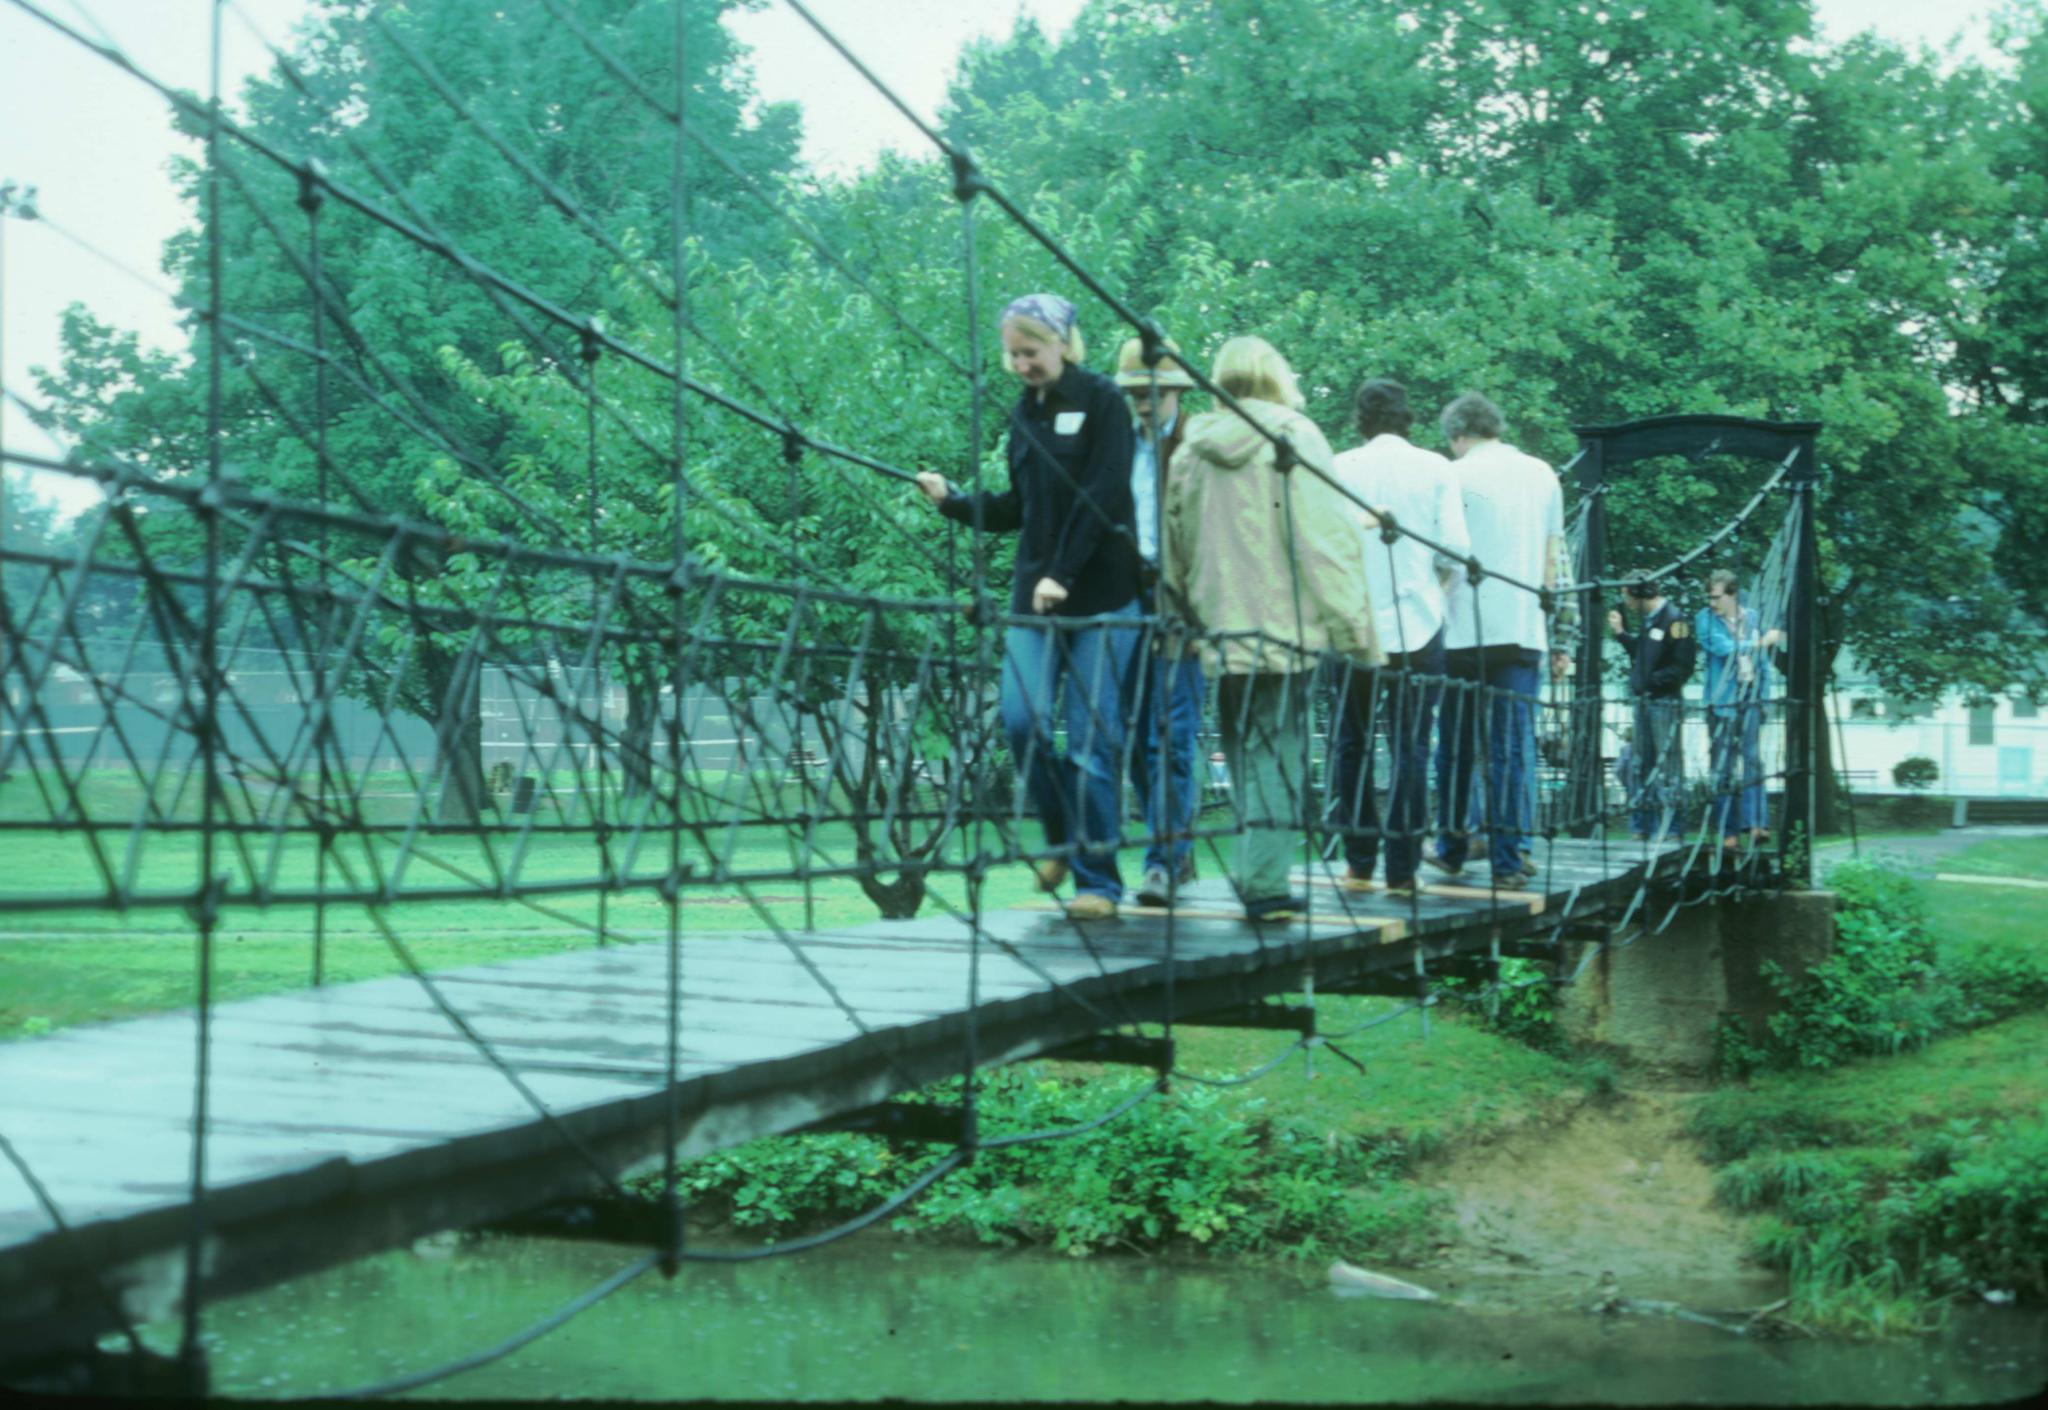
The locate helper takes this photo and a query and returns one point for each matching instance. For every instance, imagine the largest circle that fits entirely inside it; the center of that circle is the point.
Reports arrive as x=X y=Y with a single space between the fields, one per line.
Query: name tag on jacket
x=1068 y=423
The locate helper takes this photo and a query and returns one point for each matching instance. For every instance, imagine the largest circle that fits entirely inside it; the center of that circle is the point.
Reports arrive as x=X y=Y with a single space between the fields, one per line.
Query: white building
x=1997 y=750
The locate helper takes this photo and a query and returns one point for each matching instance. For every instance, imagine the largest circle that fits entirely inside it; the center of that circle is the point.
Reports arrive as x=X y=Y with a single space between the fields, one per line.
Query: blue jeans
x=1180 y=685
x=1659 y=785
x=1738 y=767
x=1494 y=697
x=1386 y=700
x=1075 y=793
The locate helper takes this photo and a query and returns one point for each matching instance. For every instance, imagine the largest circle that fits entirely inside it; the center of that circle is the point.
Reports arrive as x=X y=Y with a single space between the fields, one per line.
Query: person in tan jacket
x=1265 y=562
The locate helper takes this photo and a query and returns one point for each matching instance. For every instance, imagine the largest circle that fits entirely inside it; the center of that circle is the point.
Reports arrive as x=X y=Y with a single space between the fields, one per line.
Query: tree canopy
x=1598 y=213
x=1593 y=213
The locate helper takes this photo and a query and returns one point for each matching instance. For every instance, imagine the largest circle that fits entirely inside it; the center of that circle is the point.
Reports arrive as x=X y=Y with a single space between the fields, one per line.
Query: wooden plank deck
x=356 y=1117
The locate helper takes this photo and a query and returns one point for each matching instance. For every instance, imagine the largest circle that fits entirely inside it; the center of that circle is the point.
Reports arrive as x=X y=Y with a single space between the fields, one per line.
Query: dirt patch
x=1544 y=1213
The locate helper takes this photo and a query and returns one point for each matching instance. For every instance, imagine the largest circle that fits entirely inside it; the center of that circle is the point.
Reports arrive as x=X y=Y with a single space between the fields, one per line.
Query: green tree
x=362 y=96
x=1600 y=214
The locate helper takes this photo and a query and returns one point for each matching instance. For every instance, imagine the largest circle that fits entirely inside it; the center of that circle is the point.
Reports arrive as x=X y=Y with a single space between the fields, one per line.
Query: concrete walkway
x=1920 y=855
x=1968 y=880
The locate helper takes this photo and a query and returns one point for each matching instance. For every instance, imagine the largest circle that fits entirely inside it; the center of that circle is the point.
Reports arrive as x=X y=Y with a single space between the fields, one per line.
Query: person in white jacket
x=1414 y=490
x=1495 y=636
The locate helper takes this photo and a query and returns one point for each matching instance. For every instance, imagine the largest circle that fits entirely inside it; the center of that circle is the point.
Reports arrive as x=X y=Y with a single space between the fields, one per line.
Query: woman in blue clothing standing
x=1069 y=502
x=1737 y=662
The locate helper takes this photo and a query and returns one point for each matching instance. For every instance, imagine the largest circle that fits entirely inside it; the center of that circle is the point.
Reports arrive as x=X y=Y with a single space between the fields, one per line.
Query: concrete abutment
x=1655 y=1004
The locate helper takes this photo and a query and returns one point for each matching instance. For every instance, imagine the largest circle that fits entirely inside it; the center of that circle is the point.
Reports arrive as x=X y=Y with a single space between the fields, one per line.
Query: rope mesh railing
x=581 y=675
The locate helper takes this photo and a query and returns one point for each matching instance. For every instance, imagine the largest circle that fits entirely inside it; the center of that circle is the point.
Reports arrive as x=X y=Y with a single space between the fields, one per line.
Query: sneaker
x=1356 y=879
x=1052 y=873
x=1187 y=869
x=1412 y=886
x=1089 y=906
x=1447 y=868
x=1152 y=890
x=1512 y=880
x=1275 y=908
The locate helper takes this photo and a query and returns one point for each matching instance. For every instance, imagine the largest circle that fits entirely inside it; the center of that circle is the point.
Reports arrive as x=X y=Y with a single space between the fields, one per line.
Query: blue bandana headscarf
x=1053 y=311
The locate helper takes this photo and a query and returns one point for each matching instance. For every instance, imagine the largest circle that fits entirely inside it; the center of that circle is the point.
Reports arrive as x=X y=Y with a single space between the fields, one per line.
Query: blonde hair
x=1073 y=347
x=1252 y=367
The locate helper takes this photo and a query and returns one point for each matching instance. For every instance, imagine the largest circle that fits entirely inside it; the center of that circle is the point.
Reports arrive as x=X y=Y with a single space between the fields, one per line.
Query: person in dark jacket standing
x=1162 y=751
x=1661 y=658
x=1069 y=502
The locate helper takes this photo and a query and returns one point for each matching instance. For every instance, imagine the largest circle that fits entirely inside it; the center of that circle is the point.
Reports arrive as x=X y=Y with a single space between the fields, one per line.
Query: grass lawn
x=80 y=963
x=1985 y=1075
x=1975 y=923
x=2025 y=857
x=1425 y=1091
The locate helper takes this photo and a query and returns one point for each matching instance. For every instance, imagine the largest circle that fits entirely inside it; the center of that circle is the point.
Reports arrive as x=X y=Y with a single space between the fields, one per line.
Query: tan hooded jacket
x=1226 y=559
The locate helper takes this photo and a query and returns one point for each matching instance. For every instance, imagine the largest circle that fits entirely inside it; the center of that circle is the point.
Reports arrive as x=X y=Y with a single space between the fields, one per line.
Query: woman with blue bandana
x=1069 y=502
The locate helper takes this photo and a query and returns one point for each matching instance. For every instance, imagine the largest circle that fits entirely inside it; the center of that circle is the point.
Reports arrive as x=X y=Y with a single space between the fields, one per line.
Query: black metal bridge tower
x=1606 y=449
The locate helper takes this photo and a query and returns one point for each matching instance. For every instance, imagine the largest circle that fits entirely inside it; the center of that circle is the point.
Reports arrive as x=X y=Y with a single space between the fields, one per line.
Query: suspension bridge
x=236 y=699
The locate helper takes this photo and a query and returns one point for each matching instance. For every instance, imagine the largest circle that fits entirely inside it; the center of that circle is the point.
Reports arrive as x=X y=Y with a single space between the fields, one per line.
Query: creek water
x=877 y=1316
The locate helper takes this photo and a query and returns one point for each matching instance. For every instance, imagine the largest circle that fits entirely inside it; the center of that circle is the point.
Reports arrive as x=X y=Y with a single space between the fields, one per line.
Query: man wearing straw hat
x=1169 y=680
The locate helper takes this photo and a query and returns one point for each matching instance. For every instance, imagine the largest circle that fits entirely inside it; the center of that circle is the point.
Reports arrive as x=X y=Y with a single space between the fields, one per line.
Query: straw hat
x=1131 y=370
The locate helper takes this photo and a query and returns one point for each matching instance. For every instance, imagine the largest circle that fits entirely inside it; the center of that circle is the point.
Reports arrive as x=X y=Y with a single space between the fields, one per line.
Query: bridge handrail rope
x=567 y=1312
x=539 y=304
x=972 y=180
x=484 y=275
x=599 y=50
x=476 y=270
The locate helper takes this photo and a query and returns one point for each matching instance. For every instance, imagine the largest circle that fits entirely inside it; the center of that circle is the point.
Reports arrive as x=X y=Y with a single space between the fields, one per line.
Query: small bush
x=1990 y=1212
x=1916 y=772
x=1524 y=1010
x=1987 y=982
x=1875 y=1241
x=1883 y=990
x=1734 y=1123
x=787 y=1182
x=1871 y=996
x=1179 y=1169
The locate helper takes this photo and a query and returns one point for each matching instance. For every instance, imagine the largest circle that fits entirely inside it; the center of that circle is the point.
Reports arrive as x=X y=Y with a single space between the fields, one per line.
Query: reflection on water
x=879 y=1318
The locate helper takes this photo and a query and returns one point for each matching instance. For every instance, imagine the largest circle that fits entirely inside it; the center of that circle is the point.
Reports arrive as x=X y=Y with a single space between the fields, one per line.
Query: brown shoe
x=1052 y=873
x=1354 y=881
x=1089 y=906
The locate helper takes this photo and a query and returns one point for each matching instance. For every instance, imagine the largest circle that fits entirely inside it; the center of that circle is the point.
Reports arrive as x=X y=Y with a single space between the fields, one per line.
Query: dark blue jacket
x=1661 y=657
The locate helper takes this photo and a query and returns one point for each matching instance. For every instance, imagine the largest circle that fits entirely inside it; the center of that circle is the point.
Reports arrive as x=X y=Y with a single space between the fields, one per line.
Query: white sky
x=97 y=143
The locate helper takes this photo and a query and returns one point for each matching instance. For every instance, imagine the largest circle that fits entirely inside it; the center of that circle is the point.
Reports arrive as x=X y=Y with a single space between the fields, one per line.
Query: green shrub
x=1885 y=988
x=1985 y=982
x=1524 y=1010
x=1178 y=1169
x=1876 y=1240
x=1734 y=1123
x=1916 y=771
x=1872 y=995
x=1989 y=1213
x=787 y=1182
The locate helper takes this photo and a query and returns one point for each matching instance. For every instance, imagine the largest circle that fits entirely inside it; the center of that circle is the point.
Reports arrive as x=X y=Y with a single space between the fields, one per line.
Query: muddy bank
x=1546 y=1212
